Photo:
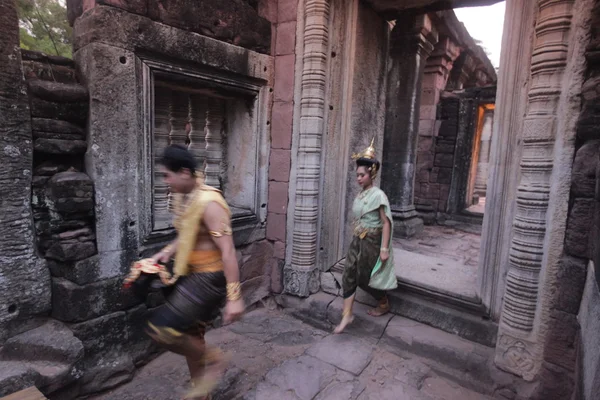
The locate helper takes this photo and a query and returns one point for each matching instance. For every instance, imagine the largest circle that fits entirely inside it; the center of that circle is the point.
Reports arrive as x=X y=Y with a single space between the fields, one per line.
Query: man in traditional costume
x=205 y=272
x=370 y=261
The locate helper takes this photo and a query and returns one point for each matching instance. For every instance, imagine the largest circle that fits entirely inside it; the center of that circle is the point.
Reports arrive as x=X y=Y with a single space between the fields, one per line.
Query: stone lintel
x=135 y=33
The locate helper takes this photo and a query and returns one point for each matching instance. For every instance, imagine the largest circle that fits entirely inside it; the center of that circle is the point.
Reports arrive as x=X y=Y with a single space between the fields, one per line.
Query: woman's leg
x=349 y=285
x=347 y=316
x=383 y=304
x=370 y=252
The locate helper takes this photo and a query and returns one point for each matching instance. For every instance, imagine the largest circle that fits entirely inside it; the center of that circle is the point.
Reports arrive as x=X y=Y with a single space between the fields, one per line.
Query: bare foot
x=202 y=387
x=378 y=311
x=347 y=320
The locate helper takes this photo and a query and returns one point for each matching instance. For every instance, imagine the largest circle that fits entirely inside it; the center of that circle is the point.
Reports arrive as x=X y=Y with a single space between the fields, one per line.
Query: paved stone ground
x=444 y=242
x=277 y=357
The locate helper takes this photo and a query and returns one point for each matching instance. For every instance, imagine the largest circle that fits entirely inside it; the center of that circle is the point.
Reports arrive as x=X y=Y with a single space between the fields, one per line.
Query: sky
x=485 y=24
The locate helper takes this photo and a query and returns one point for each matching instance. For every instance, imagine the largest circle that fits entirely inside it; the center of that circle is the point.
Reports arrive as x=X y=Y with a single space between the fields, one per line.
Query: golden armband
x=234 y=291
x=225 y=230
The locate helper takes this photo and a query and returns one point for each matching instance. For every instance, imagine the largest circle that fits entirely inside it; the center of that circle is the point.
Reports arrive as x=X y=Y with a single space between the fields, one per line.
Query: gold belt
x=361 y=232
x=205 y=261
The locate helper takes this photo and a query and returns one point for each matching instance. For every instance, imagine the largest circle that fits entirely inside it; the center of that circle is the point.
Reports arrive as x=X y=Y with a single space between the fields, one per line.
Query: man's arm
x=166 y=253
x=218 y=223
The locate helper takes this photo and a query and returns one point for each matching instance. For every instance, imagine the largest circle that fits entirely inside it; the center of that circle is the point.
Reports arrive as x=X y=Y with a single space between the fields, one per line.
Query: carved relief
x=529 y=227
x=517 y=357
x=312 y=115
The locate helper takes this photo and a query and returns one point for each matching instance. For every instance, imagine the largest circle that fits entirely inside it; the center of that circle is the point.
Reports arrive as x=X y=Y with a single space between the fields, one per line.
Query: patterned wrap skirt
x=360 y=261
x=193 y=302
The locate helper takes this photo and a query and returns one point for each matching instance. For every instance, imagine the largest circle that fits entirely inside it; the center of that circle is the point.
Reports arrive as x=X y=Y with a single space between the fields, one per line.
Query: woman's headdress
x=367 y=158
x=368 y=153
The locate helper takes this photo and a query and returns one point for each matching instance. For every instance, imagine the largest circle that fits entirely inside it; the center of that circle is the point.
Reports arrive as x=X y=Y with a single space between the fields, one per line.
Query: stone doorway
x=441 y=259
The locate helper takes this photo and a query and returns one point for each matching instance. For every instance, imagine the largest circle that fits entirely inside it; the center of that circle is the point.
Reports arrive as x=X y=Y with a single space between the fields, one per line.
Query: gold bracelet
x=234 y=291
x=385 y=249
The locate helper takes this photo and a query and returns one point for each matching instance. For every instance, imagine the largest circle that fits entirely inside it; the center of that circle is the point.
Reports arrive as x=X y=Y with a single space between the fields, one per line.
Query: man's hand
x=233 y=311
x=161 y=257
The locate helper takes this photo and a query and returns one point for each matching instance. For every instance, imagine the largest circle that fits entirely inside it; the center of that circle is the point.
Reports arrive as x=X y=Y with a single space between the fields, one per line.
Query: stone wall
x=75 y=169
x=232 y=21
x=283 y=18
x=582 y=241
x=444 y=159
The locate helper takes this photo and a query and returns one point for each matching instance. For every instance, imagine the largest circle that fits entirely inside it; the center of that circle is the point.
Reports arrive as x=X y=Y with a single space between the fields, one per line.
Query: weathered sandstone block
x=75 y=303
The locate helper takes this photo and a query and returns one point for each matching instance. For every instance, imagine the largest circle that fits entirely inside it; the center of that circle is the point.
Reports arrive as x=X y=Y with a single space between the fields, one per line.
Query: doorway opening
x=453 y=157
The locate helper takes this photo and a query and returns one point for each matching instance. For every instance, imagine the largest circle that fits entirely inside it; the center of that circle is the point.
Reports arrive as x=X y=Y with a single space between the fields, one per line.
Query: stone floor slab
x=345 y=352
x=304 y=376
x=275 y=357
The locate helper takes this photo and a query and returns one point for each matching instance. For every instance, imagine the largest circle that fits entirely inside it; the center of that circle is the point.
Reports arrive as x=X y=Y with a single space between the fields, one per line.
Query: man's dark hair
x=177 y=157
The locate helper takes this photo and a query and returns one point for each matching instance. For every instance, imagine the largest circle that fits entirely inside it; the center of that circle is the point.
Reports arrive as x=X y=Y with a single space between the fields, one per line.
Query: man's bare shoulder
x=215 y=210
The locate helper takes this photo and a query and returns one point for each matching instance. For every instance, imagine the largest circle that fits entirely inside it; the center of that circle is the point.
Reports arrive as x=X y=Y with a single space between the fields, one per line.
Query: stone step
x=28 y=394
x=45 y=357
x=468 y=363
x=451 y=315
x=58 y=92
x=52 y=342
x=469 y=325
x=48 y=376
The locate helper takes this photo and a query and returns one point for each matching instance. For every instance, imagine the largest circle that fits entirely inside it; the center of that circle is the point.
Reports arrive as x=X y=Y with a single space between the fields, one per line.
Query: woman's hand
x=384 y=254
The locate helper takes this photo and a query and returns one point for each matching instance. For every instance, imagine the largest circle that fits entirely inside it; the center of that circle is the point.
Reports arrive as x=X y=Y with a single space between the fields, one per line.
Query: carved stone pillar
x=484 y=155
x=430 y=196
x=301 y=276
x=520 y=336
x=412 y=40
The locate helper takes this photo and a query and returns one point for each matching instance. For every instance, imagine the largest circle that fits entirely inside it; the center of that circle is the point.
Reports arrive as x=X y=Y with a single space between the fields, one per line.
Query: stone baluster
x=162 y=128
x=214 y=142
x=519 y=347
x=411 y=42
x=178 y=115
x=484 y=155
x=197 y=135
x=301 y=277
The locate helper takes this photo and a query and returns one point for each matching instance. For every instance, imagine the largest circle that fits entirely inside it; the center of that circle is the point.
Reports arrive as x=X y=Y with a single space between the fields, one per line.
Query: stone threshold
x=465 y=362
x=450 y=314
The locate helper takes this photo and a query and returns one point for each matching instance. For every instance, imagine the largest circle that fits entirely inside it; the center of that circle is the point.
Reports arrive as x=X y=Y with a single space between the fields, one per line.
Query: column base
x=301 y=282
x=407 y=223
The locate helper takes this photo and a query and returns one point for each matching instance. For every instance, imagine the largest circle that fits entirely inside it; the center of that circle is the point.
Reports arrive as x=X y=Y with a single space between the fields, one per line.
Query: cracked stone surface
x=277 y=357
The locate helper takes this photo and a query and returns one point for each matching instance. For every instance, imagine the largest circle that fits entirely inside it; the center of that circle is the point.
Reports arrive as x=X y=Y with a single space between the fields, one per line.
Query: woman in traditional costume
x=369 y=262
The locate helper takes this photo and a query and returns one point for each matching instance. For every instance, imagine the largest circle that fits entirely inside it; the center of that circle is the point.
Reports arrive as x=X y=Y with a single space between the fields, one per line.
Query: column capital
x=416 y=32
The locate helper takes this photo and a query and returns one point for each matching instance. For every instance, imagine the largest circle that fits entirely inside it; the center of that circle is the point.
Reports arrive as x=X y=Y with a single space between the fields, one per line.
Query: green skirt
x=360 y=261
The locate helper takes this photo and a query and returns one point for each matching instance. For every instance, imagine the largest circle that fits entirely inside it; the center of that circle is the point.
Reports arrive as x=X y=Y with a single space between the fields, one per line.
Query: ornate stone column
x=484 y=154
x=411 y=42
x=430 y=195
x=520 y=336
x=301 y=276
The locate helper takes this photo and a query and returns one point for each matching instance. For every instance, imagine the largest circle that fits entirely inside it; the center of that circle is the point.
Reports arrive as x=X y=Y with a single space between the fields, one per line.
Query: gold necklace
x=362 y=194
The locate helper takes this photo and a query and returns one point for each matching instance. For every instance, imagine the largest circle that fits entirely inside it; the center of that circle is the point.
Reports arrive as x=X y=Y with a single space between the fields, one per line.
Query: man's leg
x=173 y=332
